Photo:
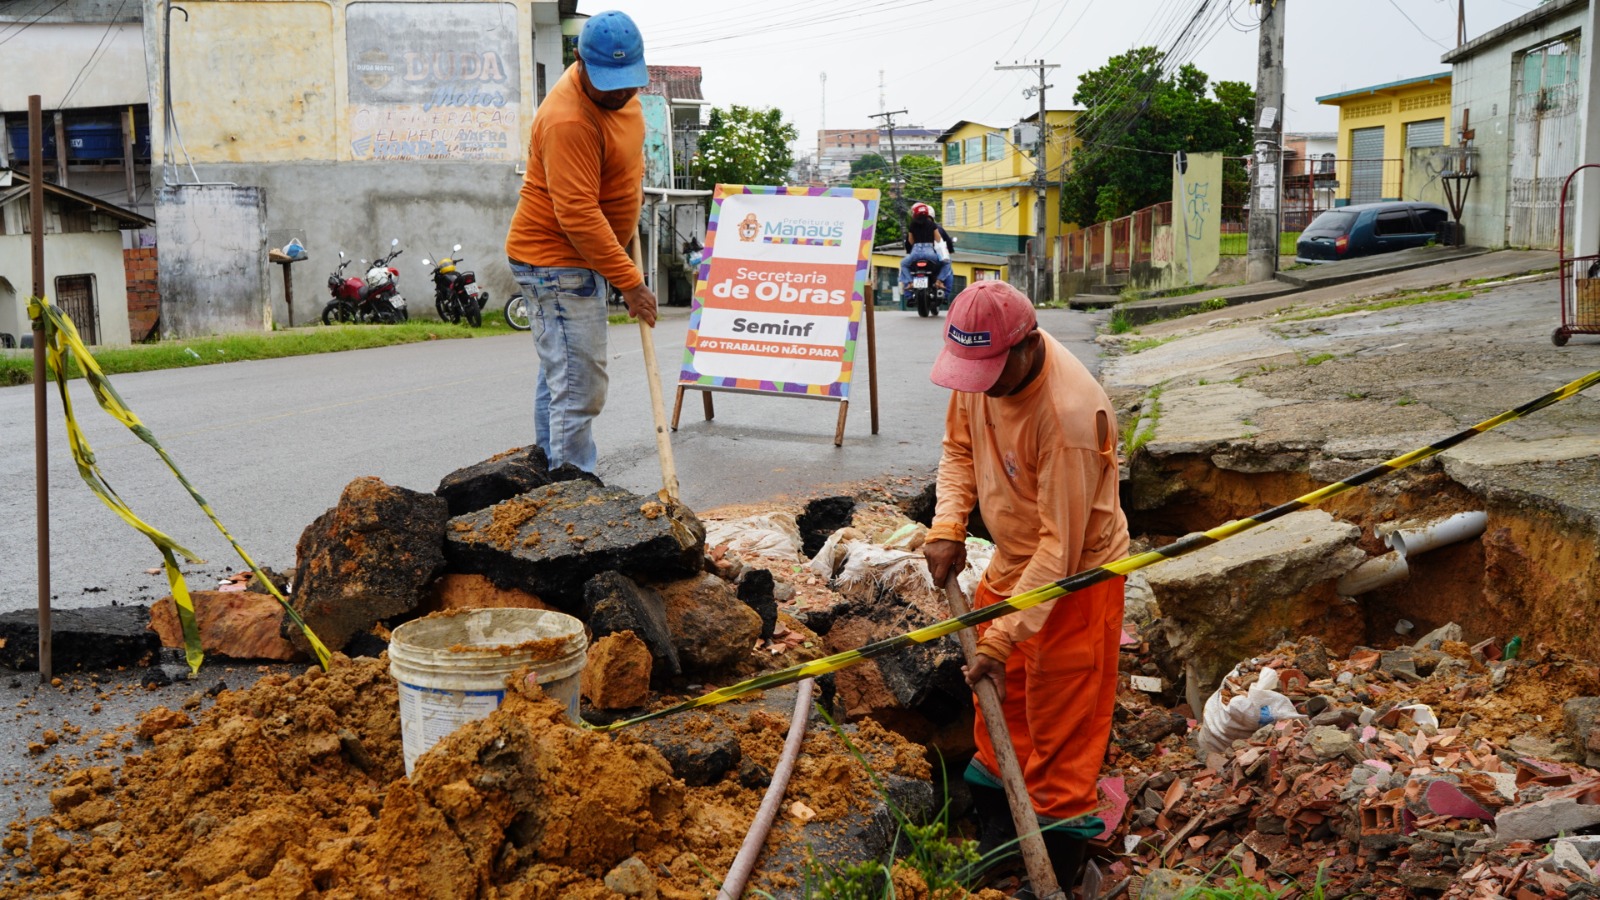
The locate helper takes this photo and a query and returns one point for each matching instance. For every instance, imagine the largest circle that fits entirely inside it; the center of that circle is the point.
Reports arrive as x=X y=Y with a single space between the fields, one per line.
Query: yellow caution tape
x=1081 y=580
x=60 y=338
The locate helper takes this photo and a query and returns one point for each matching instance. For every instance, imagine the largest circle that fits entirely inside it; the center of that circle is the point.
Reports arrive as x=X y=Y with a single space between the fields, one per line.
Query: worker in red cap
x=1031 y=441
x=924 y=239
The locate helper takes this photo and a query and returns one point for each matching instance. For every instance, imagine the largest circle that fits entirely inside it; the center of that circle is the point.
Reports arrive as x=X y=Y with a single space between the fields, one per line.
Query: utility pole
x=1040 y=185
x=895 y=181
x=822 y=129
x=1261 y=262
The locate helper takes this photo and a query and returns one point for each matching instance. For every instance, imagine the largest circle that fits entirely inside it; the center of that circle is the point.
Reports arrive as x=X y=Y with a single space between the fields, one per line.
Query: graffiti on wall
x=433 y=80
x=1196 y=203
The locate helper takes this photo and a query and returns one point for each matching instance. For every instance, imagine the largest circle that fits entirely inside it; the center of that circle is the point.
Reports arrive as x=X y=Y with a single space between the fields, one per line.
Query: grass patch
x=16 y=367
x=1134 y=437
x=1144 y=344
x=1318 y=359
x=1239 y=244
x=1238 y=886
x=1387 y=301
x=1120 y=323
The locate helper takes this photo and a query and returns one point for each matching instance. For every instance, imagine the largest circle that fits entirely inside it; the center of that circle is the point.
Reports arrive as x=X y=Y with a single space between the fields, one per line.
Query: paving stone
x=710 y=627
x=232 y=624
x=93 y=637
x=552 y=539
x=613 y=602
x=1328 y=742
x=756 y=591
x=369 y=558
x=1544 y=818
x=1267 y=585
x=498 y=478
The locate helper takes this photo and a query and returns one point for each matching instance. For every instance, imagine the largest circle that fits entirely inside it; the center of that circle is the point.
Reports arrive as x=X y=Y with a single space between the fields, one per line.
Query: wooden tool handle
x=1034 y=856
x=669 y=469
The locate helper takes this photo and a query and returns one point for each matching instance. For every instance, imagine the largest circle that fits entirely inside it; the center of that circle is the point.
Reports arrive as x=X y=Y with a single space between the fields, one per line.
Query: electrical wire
x=95 y=55
x=1408 y=18
x=35 y=21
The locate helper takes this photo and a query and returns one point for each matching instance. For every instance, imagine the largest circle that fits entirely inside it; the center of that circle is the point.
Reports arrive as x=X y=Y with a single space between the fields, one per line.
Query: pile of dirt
x=296 y=788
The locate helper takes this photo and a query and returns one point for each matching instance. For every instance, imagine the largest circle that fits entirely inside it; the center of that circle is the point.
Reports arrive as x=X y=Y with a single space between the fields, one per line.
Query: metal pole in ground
x=41 y=434
x=1034 y=856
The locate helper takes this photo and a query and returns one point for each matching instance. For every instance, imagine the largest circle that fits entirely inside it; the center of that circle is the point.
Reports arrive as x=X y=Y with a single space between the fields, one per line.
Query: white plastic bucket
x=452 y=669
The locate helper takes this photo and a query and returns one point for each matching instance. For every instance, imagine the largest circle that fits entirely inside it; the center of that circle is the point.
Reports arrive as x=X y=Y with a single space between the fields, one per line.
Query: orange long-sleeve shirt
x=580 y=199
x=1042 y=467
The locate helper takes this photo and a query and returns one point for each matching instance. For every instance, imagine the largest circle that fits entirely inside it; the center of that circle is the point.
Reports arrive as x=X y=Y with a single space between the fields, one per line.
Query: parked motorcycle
x=457 y=294
x=517 y=315
x=344 y=294
x=377 y=298
x=925 y=290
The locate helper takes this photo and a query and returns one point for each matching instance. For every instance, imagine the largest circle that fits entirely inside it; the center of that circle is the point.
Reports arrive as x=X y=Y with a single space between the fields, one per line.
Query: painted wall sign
x=433 y=80
x=778 y=304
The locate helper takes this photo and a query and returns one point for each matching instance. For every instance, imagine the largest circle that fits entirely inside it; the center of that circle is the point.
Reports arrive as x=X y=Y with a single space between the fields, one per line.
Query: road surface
x=271 y=444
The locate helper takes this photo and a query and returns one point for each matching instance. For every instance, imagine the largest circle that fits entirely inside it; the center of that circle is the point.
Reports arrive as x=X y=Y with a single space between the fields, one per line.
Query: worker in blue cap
x=568 y=242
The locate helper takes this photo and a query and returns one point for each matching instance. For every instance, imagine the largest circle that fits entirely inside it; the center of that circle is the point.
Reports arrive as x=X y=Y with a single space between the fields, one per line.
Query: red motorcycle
x=377 y=295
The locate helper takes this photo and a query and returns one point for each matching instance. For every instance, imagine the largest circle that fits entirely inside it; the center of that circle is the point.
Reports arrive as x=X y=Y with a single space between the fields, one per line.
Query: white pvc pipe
x=1449 y=530
x=1380 y=571
x=743 y=864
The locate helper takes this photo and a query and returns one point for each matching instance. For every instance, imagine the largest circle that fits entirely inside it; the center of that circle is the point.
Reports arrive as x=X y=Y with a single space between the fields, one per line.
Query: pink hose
x=756 y=838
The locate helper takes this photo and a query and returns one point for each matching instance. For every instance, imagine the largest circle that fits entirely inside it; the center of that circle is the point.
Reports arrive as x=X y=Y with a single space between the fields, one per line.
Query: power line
x=1415 y=25
x=94 y=55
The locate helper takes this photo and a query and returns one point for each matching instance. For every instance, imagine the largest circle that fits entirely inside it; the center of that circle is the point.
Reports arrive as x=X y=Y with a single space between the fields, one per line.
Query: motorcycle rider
x=921 y=233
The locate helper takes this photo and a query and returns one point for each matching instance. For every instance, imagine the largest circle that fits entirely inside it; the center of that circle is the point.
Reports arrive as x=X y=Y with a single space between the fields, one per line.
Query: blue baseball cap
x=613 y=52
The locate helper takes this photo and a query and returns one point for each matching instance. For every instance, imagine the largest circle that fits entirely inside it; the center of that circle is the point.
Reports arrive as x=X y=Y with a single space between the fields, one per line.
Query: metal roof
x=1377 y=88
x=126 y=216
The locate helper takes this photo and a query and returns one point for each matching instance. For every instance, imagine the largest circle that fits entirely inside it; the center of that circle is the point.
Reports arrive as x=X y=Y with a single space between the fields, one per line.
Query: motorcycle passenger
x=921 y=233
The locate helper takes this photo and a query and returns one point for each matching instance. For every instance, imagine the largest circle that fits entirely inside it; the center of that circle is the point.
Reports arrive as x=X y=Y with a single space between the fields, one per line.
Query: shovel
x=669 y=469
x=1034 y=857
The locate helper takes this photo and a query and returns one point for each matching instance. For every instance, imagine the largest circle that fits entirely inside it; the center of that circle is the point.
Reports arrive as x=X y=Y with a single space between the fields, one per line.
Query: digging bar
x=1034 y=857
x=669 y=469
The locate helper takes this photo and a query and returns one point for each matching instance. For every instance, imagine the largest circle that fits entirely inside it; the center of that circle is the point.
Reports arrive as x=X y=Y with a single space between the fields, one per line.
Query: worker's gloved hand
x=986 y=667
x=641 y=303
x=944 y=558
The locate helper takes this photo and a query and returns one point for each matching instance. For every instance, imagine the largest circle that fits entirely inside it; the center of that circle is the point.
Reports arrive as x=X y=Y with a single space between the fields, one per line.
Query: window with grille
x=949 y=210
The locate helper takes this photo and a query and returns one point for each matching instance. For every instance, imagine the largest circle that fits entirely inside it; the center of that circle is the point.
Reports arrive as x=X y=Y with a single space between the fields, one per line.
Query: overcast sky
x=938 y=56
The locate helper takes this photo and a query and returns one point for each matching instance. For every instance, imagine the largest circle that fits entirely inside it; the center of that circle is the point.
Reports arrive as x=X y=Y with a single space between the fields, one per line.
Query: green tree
x=920 y=180
x=869 y=163
x=1135 y=116
x=742 y=145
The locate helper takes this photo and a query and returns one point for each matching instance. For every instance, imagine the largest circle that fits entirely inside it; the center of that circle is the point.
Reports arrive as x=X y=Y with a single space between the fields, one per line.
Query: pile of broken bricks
x=1368 y=794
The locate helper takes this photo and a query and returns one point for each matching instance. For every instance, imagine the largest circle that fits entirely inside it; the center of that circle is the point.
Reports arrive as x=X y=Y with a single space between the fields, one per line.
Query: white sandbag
x=830 y=558
x=1238 y=718
x=769 y=535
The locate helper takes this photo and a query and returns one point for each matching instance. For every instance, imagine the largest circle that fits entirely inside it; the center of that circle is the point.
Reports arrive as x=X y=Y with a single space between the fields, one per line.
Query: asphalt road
x=271 y=444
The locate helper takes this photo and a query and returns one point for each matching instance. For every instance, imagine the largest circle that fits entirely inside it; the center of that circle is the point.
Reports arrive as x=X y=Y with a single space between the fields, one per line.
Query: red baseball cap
x=984 y=323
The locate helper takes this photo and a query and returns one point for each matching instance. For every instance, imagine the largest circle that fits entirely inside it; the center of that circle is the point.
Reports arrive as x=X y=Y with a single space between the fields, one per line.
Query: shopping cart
x=1580 y=278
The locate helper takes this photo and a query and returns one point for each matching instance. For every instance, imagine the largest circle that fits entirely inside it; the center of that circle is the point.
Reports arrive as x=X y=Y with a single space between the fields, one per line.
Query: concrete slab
x=1322 y=275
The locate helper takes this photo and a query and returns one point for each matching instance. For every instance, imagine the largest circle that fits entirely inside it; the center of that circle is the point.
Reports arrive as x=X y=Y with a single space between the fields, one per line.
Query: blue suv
x=1368 y=228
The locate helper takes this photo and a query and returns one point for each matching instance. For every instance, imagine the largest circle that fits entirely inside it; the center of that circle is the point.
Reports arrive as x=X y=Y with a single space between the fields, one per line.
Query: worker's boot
x=997 y=834
x=1067 y=854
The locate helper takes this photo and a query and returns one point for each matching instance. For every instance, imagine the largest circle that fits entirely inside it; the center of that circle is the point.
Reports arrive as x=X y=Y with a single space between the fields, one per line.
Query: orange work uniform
x=1042 y=467
x=581 y=197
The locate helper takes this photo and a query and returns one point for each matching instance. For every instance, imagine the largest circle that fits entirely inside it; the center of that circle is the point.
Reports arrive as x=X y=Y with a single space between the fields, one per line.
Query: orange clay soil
x=295 y=788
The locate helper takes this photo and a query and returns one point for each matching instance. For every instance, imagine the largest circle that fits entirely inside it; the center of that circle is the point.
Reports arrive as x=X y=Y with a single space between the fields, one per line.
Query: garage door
x=1366 y=165
x=1429 y=133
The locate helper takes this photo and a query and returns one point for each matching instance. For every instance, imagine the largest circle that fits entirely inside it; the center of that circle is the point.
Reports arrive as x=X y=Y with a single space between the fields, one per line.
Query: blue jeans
x=568 y=311
x=926 y=251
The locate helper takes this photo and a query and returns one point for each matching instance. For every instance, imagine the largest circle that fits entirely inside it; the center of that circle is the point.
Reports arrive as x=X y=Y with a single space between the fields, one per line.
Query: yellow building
x=1378 y=125
x=988 y=198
